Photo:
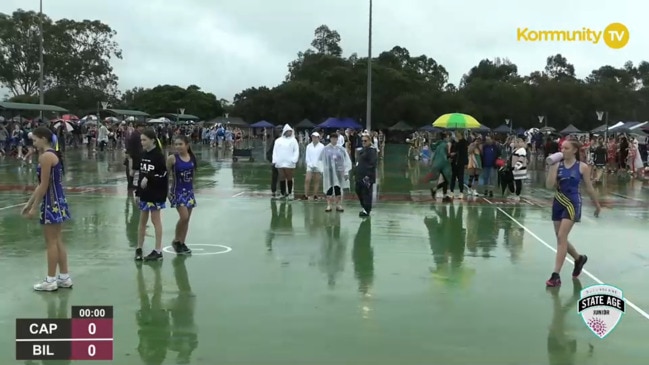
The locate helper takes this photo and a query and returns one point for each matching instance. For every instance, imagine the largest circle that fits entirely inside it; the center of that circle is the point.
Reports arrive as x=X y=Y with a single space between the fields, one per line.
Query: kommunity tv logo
x=615 y=35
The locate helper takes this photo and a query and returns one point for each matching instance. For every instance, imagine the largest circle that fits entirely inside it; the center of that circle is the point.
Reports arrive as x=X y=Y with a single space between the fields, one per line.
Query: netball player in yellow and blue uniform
x=53 y=209
x=152 y=192
x=566 y=176
x=181 y=167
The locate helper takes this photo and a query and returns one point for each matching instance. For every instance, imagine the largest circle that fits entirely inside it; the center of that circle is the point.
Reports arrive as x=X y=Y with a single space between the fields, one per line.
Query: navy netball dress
x=54 y=208
x=183 y=192
x=567 y=199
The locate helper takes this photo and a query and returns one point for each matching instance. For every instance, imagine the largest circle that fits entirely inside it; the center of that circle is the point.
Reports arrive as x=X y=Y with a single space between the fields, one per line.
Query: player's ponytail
x=50 y=136
x=57 y=151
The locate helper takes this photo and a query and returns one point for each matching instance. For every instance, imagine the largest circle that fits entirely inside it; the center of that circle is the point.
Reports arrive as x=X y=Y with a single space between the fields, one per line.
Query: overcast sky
x=229 y=45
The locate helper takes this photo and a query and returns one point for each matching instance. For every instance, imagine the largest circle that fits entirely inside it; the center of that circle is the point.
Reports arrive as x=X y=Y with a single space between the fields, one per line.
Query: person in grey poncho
x=335 y=177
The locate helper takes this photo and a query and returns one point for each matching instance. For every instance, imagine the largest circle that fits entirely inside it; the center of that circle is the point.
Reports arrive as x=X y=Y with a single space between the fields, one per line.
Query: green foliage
x=76 y=54
x=321 y=84
x=170 y=98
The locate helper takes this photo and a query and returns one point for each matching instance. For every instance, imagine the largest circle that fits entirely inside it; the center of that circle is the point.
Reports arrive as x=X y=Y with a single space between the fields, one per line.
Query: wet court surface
x=418 y=283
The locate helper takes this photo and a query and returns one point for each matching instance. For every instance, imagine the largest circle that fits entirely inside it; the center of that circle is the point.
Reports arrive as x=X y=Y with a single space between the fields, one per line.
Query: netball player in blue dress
x=566 y=176
x=53 y=209
x=152 y=193
x=181 y=167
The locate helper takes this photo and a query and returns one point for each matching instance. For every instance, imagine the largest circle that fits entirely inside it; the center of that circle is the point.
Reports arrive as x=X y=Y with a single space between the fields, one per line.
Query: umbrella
x=456 y=121
x=69 y=117
x=89 y=117
x=68 y=125
x=112 y=120
x=157 y=121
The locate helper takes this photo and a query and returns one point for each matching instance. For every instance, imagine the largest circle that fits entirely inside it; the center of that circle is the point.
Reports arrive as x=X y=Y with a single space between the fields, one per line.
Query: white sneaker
x=460 y=196
x=46 y=286
x=64 y=283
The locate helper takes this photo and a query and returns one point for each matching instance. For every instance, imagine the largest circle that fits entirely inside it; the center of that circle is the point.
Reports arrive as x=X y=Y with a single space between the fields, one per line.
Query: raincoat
x=336 y=165
x=440 y=164
x=286 y=150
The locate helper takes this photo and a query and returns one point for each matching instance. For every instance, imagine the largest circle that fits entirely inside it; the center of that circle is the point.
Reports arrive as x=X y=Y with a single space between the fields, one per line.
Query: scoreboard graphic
x=88 y=335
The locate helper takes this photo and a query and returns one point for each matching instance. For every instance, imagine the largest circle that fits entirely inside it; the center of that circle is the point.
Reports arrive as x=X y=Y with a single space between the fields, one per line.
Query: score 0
x=92 y=333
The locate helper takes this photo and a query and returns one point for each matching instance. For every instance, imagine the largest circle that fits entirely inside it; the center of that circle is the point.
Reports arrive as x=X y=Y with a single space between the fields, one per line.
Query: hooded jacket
x=286 y=151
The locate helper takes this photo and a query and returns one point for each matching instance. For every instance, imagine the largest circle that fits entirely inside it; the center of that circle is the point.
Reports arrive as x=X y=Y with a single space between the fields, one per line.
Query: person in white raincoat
x=286 y=152
x=336 y=166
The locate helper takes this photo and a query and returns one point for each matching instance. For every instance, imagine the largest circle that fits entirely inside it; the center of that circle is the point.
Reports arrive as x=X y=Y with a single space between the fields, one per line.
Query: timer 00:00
x=92 y=313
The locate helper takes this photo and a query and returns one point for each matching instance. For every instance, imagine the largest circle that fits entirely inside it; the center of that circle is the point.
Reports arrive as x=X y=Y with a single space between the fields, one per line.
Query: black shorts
x=334 y=191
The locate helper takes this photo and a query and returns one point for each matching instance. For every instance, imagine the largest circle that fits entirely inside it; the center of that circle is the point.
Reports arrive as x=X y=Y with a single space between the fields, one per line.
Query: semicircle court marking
x=196 y=247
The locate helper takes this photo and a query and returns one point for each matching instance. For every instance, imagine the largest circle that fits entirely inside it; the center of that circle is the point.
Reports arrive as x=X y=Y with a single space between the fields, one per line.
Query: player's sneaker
x=579 y=265
x=46 y=286
x=64 y=283
x=553 y=281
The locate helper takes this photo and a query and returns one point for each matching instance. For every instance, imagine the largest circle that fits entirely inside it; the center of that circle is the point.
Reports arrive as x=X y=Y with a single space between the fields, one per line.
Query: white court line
x=12 y=206
x=238 y=194
x=627 y=197
x=22 y=204
x=596 y=279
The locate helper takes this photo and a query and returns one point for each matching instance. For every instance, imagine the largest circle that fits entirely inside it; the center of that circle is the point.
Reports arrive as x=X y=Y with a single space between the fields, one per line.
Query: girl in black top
x=599 y=158
x=152 y=192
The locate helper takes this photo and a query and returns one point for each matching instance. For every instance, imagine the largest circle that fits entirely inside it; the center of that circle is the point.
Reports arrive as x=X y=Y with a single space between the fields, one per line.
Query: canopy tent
x=502 y=129
x=627 y=127
x=570 y=130
x=335 y=123
x=125 y=113
x=401 y=126
x=639 y=125
x=305 y=124
x=178 y=117
x=262 y=124
x=5 y=105
x=600 y=129
x=482 y=129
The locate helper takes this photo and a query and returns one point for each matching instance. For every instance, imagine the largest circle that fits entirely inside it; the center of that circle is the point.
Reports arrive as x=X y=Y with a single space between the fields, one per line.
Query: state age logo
x=602 y=307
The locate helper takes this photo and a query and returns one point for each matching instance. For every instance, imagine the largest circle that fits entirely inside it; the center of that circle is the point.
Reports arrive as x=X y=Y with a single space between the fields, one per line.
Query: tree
x=321 y=83
x=170 y=98
x=77 y=55
x=327 y=41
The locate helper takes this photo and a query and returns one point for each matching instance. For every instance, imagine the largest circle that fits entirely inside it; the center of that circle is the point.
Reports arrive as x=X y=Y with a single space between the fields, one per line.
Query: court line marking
x=540 y=240
x=226 y=249
x=12 y=206
x=23 y=204
x=627 y=197
x=238 y=194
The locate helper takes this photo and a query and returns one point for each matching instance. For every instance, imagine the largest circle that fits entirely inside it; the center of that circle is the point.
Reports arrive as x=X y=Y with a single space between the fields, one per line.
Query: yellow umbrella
x=456 y=121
